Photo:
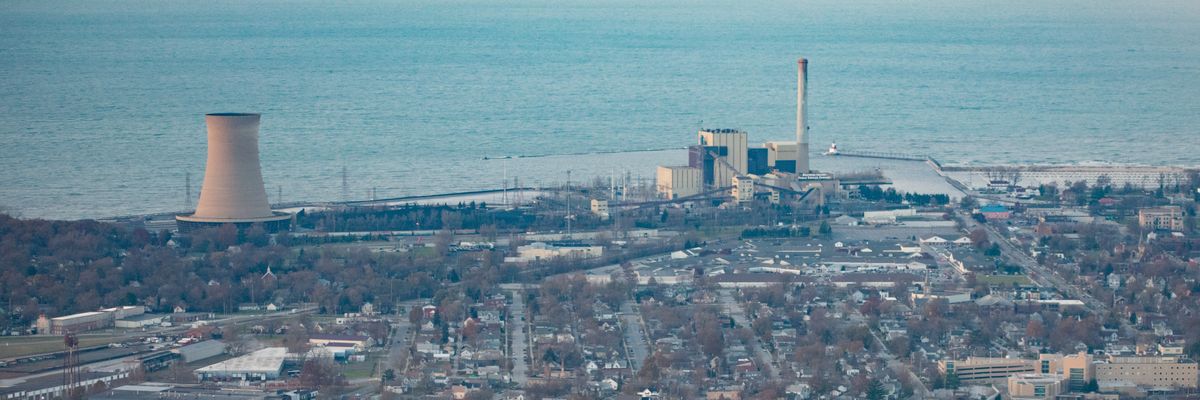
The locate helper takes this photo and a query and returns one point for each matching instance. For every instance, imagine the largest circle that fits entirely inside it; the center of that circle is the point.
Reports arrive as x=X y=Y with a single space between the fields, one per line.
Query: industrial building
x=723 y=159
x=200 y=351
x=86 y=321
x=265 y=364
x=678 y=181
x=732 y=161
x=233 y=191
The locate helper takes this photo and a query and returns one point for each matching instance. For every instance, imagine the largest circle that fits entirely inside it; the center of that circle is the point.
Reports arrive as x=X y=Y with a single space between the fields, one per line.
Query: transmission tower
x=71 y=368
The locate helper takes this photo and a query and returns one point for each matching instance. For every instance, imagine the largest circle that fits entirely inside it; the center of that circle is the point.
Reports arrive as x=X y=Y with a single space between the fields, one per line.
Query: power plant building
x=782 y=156
x=678 y=181
x=233 y=190
x=735 y=160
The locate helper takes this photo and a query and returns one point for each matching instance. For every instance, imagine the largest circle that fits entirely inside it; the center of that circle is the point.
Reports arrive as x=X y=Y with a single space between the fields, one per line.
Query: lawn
x=17 y=346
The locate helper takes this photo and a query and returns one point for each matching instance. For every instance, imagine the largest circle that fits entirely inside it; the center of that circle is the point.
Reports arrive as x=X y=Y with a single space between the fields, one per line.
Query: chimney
x=802 y=117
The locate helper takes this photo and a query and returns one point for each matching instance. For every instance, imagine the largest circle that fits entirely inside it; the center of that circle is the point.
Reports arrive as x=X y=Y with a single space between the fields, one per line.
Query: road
x=899 y=368
x=520 y=340
x=1040 y=275
x=735 y=310
x=402 y=336
x=633 y=328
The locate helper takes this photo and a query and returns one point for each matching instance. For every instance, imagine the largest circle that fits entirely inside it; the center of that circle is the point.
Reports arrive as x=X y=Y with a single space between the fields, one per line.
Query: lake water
x=102 y=102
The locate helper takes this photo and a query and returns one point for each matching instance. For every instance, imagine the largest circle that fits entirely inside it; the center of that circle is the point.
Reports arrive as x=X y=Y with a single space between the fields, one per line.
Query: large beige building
x=1159 y=372
x=1165 y=218
x=1036 y=386
x=985 y=369
x=743 y=189
x=735 y=162
x=782 y=156
x=1076 y=368
x=678 y=181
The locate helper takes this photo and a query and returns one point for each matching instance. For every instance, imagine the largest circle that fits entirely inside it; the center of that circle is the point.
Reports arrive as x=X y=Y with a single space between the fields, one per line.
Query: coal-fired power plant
x=233 y=190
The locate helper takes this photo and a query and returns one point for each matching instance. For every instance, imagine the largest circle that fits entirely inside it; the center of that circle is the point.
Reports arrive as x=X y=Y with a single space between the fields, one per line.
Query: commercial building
x=542 y=251
x=1036 y=386
x=357 y=342
x=735 y=161
x=995 y=212
x=1152 y=372
x=1076 y=368
x=233 y=191
x=1168 y=218
x=678 y=181
x=265 y=364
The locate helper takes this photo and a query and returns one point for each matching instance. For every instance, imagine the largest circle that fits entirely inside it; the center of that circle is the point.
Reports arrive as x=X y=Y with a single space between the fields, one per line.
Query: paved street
x=635 y=335
x=520 y=340
x=735 y=310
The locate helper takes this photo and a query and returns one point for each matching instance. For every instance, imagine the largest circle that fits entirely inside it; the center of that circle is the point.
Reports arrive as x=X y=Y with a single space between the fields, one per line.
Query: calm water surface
x=102 y=102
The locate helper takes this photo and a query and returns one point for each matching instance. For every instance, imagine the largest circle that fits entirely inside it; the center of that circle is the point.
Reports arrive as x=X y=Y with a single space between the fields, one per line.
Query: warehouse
x=265 y=364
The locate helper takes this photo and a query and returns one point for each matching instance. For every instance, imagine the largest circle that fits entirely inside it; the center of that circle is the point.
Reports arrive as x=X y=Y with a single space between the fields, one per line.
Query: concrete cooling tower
x=233 y=191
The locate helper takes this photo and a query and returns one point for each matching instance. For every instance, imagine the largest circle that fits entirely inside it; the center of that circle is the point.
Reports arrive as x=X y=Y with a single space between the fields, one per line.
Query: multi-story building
x=1164 y=218
x=1076 y=368
x=735 y=161
x=678 y=181
x=1036 y=386
x=985 y=369
x=743 y=189
x=1174 y=372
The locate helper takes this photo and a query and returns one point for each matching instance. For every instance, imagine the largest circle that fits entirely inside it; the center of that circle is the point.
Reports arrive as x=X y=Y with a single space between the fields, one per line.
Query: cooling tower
x=233 y=190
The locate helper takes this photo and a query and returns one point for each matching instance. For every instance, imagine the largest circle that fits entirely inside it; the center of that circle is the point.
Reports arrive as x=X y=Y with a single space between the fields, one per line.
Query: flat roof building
x=1036 y=386
x=985 y=369
x=1168 y=218
x=1151 y=372
x=265 y=364
x=678 y=181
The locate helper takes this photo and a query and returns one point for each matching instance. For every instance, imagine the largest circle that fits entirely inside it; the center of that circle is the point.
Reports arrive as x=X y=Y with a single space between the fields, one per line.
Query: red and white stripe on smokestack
x=802 y=117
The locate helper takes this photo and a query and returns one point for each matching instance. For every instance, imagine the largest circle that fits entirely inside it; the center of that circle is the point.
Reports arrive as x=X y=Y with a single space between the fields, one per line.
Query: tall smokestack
x=233 y=190
x=802 y=117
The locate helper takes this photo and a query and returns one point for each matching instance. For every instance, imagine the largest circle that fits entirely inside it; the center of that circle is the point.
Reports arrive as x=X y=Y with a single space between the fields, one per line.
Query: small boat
x=833 y=150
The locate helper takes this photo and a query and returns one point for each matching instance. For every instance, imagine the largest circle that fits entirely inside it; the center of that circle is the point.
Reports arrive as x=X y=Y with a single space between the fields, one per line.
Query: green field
x=1003 y=280
x=16 y=346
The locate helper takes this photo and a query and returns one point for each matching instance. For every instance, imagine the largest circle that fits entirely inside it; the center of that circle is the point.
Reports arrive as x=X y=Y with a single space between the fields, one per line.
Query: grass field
x=17 y=346
x=1003 y=280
